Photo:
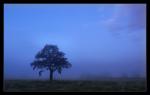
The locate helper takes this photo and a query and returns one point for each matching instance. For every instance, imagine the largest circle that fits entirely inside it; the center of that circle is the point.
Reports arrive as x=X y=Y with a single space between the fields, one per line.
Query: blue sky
x=97 y=39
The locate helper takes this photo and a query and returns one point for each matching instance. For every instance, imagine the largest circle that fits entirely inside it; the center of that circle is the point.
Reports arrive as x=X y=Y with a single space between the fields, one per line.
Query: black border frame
x=2 y=2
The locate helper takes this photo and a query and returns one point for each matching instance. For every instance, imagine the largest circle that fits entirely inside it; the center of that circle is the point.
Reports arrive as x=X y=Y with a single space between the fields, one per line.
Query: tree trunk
x=51 y=75
x=59 y=76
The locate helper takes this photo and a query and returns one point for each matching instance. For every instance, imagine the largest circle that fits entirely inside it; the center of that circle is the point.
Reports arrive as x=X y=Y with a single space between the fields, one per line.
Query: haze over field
x=98 y=39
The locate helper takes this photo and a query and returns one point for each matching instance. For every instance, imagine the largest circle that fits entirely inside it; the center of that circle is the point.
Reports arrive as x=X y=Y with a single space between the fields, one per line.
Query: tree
x=50 y=58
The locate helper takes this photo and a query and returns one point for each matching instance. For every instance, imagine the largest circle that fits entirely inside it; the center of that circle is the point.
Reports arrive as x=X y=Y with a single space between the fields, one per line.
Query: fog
x=99 y=40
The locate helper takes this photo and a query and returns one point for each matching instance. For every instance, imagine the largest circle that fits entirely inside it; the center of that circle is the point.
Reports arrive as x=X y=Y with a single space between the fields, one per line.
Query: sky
x=98 y=39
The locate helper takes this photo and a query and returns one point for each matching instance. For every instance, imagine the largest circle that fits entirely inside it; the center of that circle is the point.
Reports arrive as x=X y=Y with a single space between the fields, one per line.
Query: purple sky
x=98 y=39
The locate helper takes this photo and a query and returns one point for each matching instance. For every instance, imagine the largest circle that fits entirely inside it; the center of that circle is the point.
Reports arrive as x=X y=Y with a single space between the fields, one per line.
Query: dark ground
x=75 y=85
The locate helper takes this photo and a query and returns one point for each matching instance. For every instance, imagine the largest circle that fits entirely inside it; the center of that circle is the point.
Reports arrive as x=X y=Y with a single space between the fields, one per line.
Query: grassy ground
x=68 y=85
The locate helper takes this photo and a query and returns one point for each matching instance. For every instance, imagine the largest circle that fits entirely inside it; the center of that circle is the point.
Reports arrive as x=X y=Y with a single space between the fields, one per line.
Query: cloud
x=120 y=18
x=127 y=17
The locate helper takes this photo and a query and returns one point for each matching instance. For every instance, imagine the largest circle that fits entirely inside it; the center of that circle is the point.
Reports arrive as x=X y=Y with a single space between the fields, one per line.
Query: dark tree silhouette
x=50 y=58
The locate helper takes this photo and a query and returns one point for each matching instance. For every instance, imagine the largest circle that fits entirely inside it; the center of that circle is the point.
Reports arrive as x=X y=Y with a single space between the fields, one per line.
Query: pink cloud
x=127 y=16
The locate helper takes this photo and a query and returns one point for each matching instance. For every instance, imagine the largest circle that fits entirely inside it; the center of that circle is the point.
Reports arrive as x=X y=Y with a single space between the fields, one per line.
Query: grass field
x=72 y=85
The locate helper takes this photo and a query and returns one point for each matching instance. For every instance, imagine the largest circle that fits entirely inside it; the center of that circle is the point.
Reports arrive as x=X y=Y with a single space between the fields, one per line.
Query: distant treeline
x=104 y=77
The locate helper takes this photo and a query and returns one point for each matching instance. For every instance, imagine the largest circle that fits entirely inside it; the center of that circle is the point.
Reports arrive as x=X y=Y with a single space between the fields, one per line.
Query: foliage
x=50 y=58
